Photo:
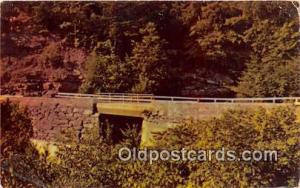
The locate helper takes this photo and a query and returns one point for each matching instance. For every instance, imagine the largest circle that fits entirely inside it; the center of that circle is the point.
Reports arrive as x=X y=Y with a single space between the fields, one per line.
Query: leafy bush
x=16 y=128
x=105 y=73
x=273 y=69
x=52 y=54
x=149 y=61
x=270 y=80
x=94 y=162
x=241 y=130
x=21 y=165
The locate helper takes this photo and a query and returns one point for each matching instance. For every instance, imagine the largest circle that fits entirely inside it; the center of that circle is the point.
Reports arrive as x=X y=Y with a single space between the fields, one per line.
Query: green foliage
x=241 y=130
x=21 y=165
x=16 y=128
x=217 y=36
x=273 y=69
x=106 y=73
x=149 y=61
x=205 y=41
x=132 y=136
x=52 y=55
x=270 y=79
x=93 y=162
x=144 y=71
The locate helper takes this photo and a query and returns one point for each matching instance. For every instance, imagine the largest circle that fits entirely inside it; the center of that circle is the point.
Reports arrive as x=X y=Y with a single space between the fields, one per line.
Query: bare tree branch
x=293 y=2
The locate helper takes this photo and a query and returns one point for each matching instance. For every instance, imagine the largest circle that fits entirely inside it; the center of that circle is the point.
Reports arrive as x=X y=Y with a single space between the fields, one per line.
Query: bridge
x=153 y=113
x=130 y=104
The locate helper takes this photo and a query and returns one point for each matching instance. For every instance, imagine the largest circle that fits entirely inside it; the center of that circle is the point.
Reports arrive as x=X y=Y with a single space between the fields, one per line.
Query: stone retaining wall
x=51 y=115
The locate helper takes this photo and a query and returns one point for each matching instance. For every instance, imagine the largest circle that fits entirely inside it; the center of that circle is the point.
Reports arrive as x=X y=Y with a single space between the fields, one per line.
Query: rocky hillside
x=40 y=64
x=33 y=62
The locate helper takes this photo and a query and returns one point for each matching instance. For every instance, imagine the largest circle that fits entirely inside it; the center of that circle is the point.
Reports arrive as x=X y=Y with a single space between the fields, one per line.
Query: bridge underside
x=113 y=128
x=124 y=109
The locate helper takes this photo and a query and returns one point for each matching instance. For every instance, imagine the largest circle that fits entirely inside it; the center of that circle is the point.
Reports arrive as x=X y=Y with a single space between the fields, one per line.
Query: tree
x=95 y=163
x=208 y=43
x=105 y=72
x=240 y=130
x=149 y=61
x=297 y=6
x=16 y=128
x=273 y=67
x=270 y=80
x=19 y=160
x=216 y=38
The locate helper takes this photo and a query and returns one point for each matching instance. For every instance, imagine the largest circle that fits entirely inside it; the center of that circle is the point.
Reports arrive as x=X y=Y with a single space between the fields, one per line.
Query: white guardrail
x=146 y=98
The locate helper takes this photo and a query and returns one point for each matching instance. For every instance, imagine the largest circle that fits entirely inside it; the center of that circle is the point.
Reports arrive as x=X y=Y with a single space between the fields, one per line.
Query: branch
x=295 y=5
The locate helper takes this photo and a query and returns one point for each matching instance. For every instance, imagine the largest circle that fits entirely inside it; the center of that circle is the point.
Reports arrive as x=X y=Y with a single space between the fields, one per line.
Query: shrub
x=16 y=128
x=94 y=162
x=21 y=166
x=241 y=130
x=105 y=73
x=52 y=55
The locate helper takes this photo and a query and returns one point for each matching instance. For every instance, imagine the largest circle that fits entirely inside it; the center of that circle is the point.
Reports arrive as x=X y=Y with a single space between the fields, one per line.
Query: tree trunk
x=297 y=6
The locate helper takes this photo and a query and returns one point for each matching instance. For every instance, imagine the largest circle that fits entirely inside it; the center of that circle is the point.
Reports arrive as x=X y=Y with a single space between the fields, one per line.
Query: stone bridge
x=52 y=115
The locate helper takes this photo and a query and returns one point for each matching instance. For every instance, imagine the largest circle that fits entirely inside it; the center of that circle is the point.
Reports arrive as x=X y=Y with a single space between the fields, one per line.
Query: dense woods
x=175 y=48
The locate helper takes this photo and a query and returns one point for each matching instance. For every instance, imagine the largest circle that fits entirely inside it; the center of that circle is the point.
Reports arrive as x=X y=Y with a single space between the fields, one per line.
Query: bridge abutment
x=50 y=116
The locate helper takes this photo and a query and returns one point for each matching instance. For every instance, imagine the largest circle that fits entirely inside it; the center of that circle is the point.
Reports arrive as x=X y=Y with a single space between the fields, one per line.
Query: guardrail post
x=215 y=100
x=274 y=100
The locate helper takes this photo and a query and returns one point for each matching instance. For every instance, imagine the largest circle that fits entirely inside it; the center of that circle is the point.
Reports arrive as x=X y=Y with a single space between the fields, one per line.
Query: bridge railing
x=102 y=94
x=147 y=98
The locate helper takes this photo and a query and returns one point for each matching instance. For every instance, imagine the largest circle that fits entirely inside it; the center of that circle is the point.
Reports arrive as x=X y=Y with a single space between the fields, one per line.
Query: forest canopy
x=177 y=48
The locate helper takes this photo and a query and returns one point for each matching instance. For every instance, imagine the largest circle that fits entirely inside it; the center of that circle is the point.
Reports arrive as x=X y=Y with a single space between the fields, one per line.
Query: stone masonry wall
x=52 y=115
